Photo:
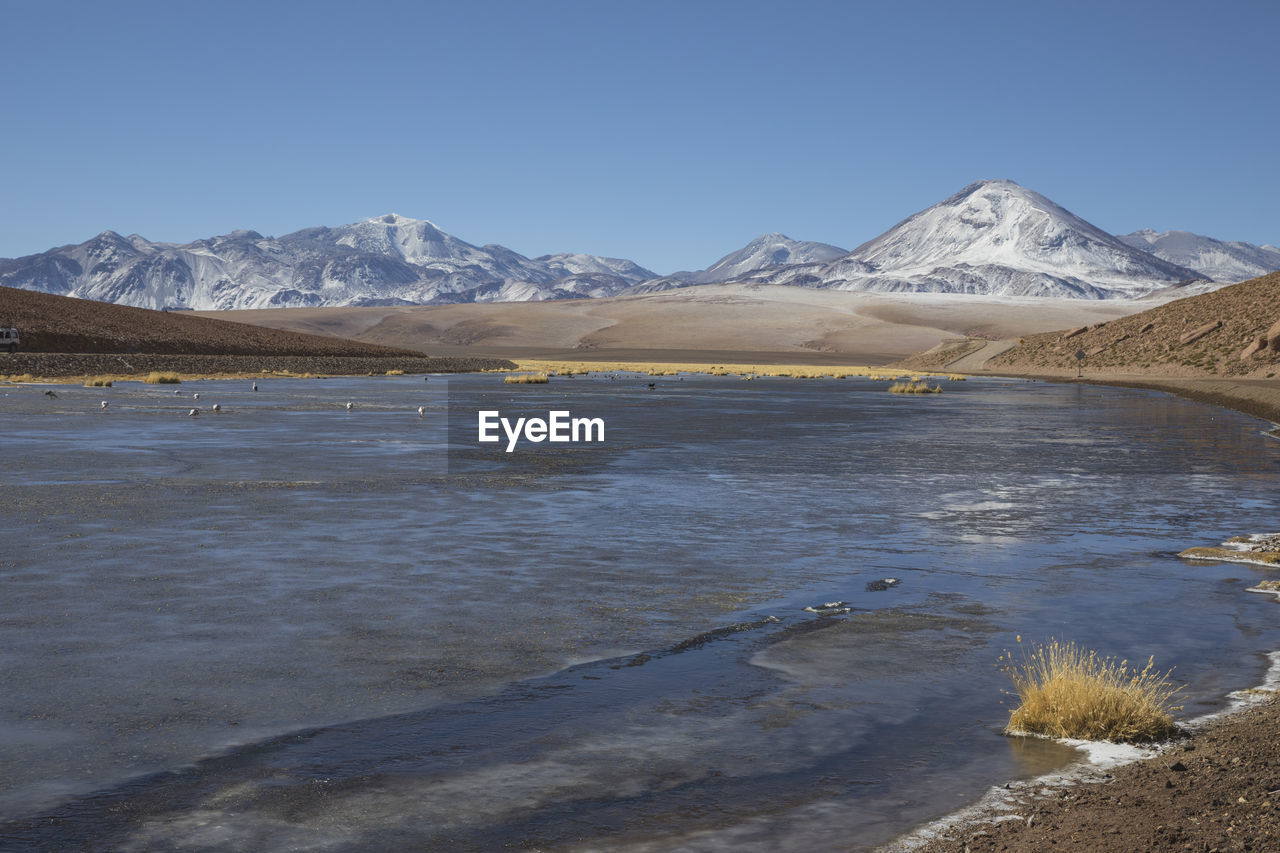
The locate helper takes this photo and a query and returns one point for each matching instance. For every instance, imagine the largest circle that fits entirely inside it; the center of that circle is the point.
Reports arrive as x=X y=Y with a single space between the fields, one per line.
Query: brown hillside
x=1231 y=332
x=48 y=323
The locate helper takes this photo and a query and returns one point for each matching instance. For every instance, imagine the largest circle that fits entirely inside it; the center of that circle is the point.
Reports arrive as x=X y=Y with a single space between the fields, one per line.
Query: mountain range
x=1219 y=260
x=991 y=238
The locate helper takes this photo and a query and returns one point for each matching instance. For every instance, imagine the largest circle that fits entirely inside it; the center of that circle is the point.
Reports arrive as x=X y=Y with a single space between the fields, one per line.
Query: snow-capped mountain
x=1219 y=260
x=993 y=238
x=387 y=260
x=767 y=250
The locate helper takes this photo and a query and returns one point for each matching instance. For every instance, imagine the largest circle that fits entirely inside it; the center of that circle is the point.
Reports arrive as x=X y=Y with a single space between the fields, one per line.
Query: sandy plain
x=723 y=322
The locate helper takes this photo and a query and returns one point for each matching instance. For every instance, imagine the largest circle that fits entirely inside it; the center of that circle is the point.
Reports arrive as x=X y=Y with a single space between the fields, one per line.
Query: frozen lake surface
x=289 y=625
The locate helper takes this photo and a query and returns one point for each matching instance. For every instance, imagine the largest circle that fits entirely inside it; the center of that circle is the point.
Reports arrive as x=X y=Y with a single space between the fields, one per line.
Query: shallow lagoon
x=377 y=634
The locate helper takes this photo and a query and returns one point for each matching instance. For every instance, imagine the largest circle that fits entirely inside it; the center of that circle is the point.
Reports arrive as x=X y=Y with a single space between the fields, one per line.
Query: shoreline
x=1259 y=398
x=64 y=367
x=1086 y=806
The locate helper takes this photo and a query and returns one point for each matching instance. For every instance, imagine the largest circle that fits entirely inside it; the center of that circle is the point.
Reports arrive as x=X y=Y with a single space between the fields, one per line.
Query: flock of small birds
x=194 y=412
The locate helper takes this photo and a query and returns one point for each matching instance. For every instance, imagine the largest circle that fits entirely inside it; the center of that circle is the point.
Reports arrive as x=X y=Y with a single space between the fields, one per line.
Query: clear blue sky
x=669 y=133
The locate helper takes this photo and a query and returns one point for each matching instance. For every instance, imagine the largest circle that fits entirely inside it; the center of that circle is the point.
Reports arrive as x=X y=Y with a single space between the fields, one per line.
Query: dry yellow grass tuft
x=1066 y=691
x=527 y=379
x=98 y=382
x=157 y=378
x=915 y=386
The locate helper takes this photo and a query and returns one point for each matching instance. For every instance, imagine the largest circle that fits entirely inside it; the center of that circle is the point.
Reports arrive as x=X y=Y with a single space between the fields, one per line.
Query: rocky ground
x=1227 y=333
x=1218 y=790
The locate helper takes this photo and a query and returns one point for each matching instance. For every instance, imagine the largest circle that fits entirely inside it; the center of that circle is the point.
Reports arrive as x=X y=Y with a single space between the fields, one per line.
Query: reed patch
x=156 y=377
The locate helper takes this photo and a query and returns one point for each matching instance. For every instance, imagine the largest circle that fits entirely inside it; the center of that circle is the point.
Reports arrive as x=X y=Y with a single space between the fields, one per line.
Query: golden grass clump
x=395 y=373
x=957 y=377
x=527 y=379
x=1066 y=691
x=98 y=382
x=915 y=386
x=155 y=377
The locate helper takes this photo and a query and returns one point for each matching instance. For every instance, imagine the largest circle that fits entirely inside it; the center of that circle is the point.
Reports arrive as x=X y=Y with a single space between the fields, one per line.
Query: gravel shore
x=1218 y=790
x=49 y=365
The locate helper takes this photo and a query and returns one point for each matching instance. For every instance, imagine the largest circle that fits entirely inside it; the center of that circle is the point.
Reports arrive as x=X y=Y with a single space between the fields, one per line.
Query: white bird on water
x=255 y=386
x=104 y=404
x=217 y=407
x=422 y=411
x=350 y=406
x=194 y=413
x=195 y=396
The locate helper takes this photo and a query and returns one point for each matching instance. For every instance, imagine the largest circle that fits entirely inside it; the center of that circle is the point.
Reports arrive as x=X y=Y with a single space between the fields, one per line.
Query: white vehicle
x=8 y=339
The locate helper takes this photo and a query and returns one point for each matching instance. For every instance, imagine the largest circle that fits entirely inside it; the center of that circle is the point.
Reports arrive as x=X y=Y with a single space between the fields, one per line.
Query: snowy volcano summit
x=994 y=238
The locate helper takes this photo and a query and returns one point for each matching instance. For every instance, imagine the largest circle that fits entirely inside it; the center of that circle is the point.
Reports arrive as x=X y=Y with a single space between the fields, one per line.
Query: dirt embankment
x=60 y=324
x=64 y=337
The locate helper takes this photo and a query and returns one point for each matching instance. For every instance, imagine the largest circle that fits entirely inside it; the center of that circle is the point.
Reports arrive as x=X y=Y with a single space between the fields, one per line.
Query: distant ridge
x=767 y=250
x=1218 y=260
x=388 y=260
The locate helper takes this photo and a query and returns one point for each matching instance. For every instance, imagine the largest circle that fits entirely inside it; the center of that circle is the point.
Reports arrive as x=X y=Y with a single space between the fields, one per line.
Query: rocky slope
x=1232 y=331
